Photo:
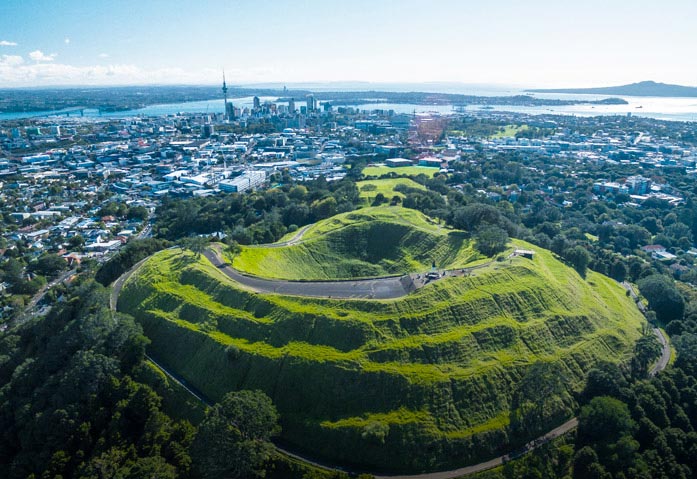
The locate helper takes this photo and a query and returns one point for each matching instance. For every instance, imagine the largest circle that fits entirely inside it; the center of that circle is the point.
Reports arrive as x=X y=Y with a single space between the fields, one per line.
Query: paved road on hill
x=377 y=288
x=497 y=461
x=295 y=239
x=118 y=284
x=385 y=287
x=665 y=351
x=665 y=346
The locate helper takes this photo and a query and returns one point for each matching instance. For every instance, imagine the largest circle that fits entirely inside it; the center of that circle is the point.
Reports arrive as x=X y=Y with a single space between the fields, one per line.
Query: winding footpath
x=294 y=240
x=377 y=288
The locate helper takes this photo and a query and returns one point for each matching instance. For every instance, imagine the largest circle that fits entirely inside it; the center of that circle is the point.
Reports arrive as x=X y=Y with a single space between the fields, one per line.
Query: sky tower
x=229 y=115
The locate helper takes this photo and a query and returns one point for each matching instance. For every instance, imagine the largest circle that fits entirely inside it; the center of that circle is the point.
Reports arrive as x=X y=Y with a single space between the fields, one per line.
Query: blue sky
x=524 y=43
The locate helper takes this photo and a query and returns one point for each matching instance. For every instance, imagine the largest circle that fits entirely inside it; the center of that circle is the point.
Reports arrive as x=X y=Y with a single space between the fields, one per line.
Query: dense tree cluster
x=127 y=257
x=638 y=427
x=69 y=406
x=259 y=217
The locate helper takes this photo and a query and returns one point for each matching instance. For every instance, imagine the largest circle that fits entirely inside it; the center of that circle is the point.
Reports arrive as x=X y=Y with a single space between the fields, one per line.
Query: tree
x=195 y=244
x=618 y=271
x=491 y=239
x=12 y=271
x=137 y=213
x=579 y=259
x=233 y=440
x=663 y=297
x=470 y=217
x=604 y=379
x=686 y=346
x=540 y=400
x=76 y=242
x=646 y=350
x=233 y=250
x=323 y=208
x=587 y=465
x=379 y=199
x=604 y=420
x=49 y=265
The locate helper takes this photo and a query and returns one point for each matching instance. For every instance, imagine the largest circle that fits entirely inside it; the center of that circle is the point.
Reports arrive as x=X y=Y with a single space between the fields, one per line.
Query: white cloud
x=5 y=43
x=67 y=41
x=103 y=55
x=39 y=56
x=10 y=61
x=15 y=72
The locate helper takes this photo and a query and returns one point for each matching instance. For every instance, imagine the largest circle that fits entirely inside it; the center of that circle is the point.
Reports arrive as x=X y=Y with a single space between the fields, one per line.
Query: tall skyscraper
x=291 y=106
x=257 y=103
x=311 y=103
x=227 y=114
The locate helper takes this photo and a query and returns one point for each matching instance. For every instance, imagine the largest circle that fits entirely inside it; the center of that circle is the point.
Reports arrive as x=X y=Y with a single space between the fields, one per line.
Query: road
x=295 y=239
x=118 y=284
x=497 y=461
x=665 y=353
x=42 y=292
x=28 y=310
x=386 y=287
x=662 y=362
x=376 y=288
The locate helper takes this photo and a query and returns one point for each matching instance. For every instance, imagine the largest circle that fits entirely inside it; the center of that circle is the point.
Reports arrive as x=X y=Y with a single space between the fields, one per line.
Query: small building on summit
x=525 y=253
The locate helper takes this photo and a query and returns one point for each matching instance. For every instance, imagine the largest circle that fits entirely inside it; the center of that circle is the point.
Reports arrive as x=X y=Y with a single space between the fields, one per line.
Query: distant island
x=644 y=88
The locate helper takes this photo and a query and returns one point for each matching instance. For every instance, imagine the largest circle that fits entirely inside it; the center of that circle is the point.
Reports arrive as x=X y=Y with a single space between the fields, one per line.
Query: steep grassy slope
x=420 y=383
x=369 y=242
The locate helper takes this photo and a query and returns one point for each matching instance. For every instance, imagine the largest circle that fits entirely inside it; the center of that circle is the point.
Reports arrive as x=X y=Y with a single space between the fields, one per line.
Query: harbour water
x=675 y=109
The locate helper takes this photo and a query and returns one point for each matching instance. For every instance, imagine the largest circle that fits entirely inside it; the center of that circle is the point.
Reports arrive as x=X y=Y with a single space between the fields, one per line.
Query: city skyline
x=540 y=43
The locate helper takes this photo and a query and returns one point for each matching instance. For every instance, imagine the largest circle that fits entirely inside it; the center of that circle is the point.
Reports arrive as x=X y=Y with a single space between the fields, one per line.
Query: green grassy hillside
x=436 y=379
x=369 y=242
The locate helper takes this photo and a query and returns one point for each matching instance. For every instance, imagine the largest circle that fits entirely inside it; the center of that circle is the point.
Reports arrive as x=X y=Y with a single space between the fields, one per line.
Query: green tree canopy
x=233 y=441
x=604 y=420
x=491 y=239
x=663 y=297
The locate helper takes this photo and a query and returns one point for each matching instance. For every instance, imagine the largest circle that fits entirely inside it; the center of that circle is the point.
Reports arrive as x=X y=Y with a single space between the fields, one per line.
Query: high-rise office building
x=311 y=103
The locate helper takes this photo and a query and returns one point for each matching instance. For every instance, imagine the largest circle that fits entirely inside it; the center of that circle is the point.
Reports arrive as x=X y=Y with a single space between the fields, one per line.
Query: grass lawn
x=509 y=131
